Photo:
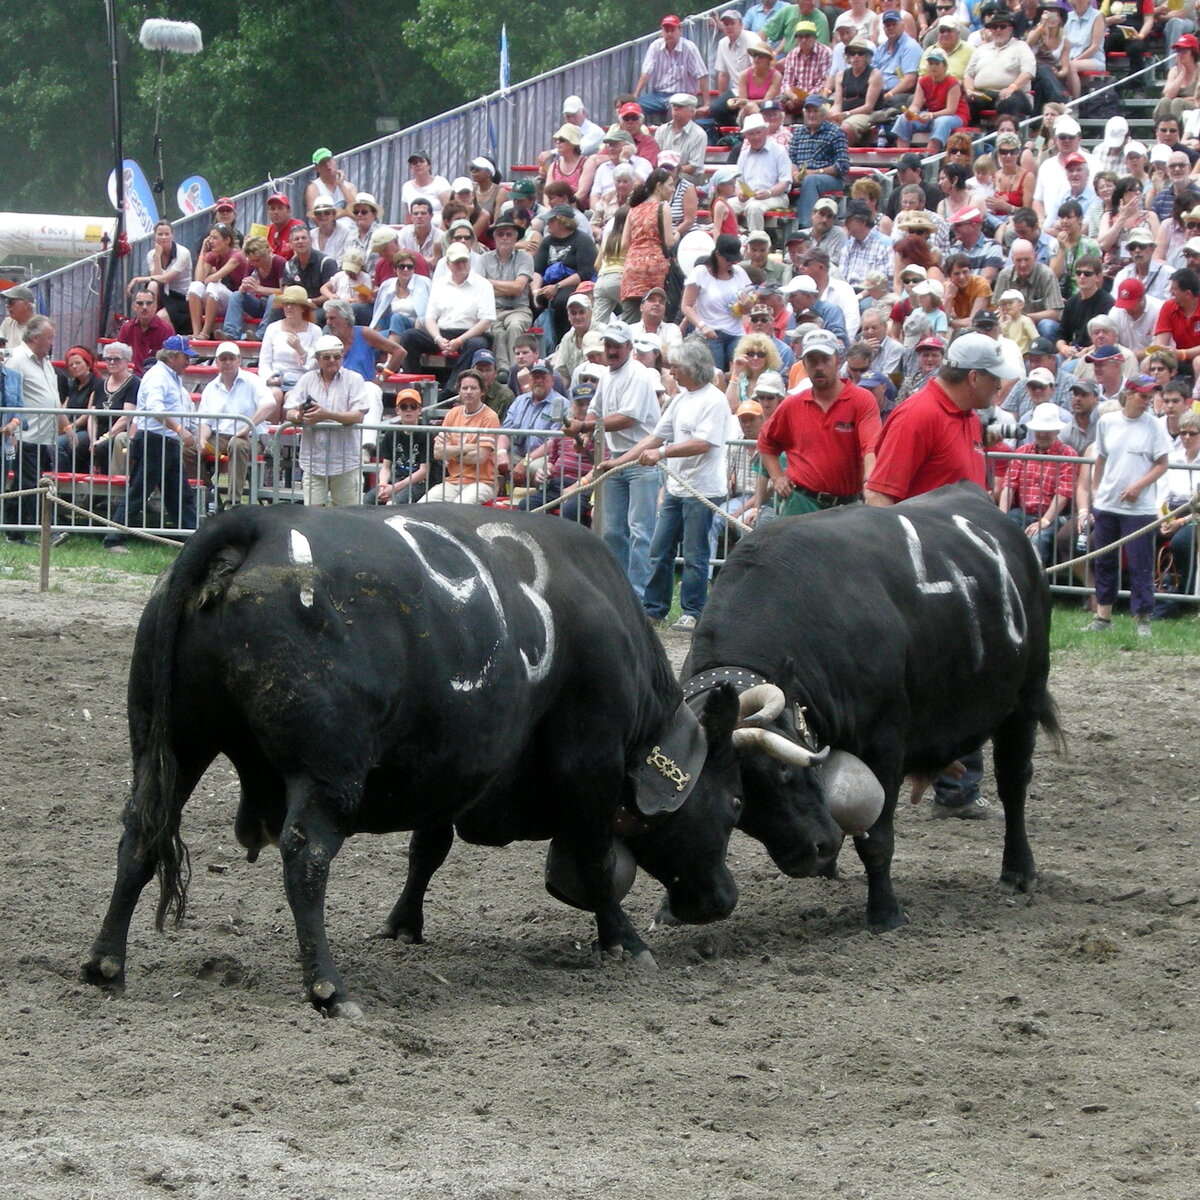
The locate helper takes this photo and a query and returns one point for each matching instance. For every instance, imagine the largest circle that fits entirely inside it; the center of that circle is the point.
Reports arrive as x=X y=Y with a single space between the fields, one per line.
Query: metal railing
x=510 y=127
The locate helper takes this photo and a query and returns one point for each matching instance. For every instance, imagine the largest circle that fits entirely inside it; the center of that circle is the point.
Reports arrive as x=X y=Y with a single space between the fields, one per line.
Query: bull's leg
x=105 y=963
x=875 y=849
x=1012 y=760
x=307 y=845
x=427 y=850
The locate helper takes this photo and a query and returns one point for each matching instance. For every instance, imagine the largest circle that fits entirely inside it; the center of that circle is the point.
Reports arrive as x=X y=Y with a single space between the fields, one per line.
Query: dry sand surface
x=997 y=1047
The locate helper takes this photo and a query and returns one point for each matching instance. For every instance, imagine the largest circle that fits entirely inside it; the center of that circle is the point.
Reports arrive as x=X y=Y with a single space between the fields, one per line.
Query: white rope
x=48 y=490
x=1192 y=506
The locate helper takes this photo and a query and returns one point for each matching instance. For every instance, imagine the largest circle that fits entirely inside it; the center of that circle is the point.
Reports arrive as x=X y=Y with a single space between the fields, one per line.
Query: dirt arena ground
x=1040 y=1046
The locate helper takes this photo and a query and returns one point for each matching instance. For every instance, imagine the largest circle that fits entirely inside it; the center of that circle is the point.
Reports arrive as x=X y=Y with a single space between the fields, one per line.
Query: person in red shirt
x=934 y=437
x=145 y=333
x=1178 y=326
x=280 y=224
x=827 y=433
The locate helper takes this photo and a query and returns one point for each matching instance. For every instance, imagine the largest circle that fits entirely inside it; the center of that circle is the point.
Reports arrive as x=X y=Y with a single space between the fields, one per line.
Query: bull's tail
x=197 y=579
x=1048 y=720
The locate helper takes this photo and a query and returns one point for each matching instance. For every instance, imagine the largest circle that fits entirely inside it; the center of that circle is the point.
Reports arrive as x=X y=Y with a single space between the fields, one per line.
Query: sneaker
x=976 y=810
x=658 y=622
x=1098 y=625
x=685 y=624
x=116 y=548
x=17 y=539
x=1142 y=625
x=58 y=539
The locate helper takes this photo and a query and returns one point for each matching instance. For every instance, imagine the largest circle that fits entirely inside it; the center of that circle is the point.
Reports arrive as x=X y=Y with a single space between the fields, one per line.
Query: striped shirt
x=806 y=72
x=873 y=253
x=678 y=70
x=823 y=150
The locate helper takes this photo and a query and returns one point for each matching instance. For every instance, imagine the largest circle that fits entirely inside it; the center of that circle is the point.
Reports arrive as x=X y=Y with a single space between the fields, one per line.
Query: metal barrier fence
x=510 y=127
x=168 y=487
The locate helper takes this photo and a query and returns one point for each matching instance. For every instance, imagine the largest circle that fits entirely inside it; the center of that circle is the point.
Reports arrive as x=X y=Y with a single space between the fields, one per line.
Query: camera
x=1005 y=427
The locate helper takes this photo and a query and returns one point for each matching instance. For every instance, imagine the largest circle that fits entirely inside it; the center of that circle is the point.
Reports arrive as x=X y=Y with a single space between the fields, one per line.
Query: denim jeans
x=939 y=129
x=686 y=519
x=1048 y=329
x=628 y=502
x=1043 y=540
x=810 y=192
x=241 y=305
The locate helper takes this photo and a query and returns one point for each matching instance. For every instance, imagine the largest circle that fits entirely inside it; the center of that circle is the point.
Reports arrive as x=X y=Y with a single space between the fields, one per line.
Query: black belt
x=827 y=499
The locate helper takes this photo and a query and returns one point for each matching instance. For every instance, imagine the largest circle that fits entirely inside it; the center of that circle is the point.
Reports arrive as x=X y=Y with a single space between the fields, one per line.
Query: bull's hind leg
x=105 y=963
x=427 y=850
x=308 y=844
x=1012 y=760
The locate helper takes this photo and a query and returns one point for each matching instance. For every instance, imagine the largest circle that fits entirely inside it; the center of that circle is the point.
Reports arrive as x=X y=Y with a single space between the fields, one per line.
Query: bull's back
x=932 y=612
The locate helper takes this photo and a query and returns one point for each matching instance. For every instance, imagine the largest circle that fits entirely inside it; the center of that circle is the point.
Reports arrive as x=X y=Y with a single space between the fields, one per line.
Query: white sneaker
x=685 y=624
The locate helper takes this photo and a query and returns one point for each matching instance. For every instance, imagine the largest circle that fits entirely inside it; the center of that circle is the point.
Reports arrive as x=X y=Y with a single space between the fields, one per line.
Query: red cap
x=225 y=202
x=673 y=22
x=1129 y=292
x=1074 y=159
x=279 y=198
x=629 y=110
x=1187 y=42
x=932 y=343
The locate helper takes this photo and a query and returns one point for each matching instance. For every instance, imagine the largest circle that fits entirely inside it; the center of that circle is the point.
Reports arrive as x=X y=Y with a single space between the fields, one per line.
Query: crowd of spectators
x=699 y=271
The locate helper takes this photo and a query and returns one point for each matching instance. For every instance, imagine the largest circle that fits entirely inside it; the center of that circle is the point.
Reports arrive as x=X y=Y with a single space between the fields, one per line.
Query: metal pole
x=114 y=255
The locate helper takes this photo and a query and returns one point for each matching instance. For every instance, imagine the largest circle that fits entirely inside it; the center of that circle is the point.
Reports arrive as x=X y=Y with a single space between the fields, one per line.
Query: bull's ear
x=784 y=675
x=667 y=767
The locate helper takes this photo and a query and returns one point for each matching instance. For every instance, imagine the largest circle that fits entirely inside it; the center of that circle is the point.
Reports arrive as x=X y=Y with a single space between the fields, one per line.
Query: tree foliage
x=274 y=81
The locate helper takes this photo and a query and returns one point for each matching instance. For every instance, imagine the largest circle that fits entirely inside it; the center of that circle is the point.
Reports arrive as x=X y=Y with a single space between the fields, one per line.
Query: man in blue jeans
x=626 y=408
x=820 y=157
x=691 y=434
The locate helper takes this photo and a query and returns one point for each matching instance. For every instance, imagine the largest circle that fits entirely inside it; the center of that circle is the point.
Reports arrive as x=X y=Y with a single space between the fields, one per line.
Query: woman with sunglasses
x=1125 y=214
x=954 y=181
x=939 y=107
x=1176 y=231
x=566 y=163
x=1183 y=80
x=107 y=435
x=400 y=302
x=760 y=81
x=754 y=354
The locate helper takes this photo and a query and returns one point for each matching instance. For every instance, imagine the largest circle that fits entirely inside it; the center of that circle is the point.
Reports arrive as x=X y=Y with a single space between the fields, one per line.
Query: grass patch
x=1177 y=637
x=86 y=551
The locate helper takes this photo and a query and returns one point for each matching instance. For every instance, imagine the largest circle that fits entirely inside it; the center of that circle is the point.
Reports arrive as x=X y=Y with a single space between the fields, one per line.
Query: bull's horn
x=777 y=746
x=853 y=793
x=760 y=705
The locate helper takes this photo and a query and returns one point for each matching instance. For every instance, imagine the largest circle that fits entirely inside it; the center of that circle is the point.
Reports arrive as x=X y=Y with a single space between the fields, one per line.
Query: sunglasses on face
x=329 y=357
x=362 y=212
x=756 y=354
x=1086 y=274
x=117 y=359
x=1189 y=433
x=405 y=267
x=410 y=408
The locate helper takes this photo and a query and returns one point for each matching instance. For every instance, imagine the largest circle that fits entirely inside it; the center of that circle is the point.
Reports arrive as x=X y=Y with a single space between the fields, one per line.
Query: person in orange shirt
x=469 y=458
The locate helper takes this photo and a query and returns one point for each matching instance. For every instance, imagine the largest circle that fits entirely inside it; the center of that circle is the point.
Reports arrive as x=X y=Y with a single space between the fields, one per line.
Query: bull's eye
x=736 y=801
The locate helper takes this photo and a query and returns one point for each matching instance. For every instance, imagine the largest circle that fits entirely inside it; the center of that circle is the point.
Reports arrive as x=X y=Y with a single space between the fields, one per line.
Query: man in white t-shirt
x=689 y=438
x=626 y=407
x=654 y=312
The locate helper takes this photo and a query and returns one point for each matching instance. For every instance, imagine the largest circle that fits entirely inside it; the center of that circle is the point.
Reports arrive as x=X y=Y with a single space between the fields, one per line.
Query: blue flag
x=503 y=60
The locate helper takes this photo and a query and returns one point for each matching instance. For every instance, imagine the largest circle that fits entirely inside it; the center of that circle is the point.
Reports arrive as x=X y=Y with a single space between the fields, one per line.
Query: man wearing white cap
x=234 y=393
x=590 y=134
x=935 y=438
x=765 y=170
x=827 y=433
x=1109 y=153
x=1052 y=185
x=1038 y=494
x=826 y=234
x=802 y=292
x=681 y=135
x=330 y=395
x=626 y=408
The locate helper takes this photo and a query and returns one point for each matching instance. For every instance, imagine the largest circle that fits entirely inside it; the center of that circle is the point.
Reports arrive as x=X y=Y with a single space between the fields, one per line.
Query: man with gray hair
x=1037 y=283
x=691 y=433
x=626 y=407
x=681 y=135
x=766 y=171
x=156 y=451
x=43 y=420
x=590 y=134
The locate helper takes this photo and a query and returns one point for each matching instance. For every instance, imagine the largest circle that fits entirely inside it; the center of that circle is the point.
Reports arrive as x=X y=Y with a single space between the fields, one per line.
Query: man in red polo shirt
x=146 y=332
x=1178 y=326
x=934 y=437
x=280 y=225
x=828 y=434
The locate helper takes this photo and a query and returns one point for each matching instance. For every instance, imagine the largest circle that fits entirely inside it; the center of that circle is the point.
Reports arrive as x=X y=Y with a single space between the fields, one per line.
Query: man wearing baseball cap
x=1145 y=266
x=234 y=393
x=826 y=233
x=820 y=157
x=896 y=58
x=935 y=437
x=1134 y=316
x=827 y=432
x=672 y=63
x=328 y=183
x=280 y=224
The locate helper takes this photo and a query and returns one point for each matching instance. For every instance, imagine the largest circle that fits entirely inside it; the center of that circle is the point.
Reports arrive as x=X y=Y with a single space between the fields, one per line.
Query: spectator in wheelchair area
x=1180 y=532
x=404 y=456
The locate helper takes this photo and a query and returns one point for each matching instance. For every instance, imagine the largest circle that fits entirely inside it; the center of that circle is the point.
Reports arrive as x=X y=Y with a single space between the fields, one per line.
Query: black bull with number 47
x=447 y=668
x=903 y=638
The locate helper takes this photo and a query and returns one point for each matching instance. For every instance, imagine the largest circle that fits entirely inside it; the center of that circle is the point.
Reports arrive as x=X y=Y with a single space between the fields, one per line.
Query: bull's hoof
x=346 y=1010
x=104 y=971
x=886 y=922
x=1019 y=881
x=408 y=937
x=645 y=961
x=330 y=1002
